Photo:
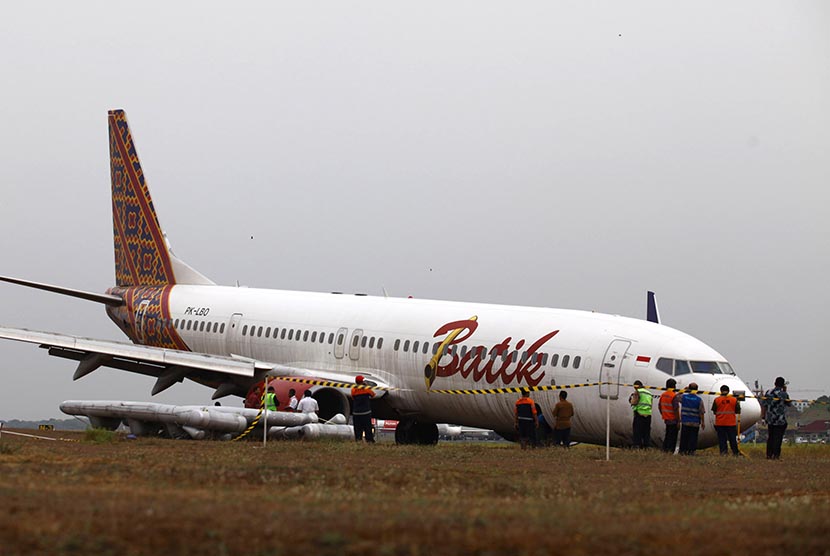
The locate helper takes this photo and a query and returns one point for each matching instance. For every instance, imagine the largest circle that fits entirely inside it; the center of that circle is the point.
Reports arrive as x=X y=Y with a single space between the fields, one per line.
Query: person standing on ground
x=563 y=411
x=524 y=414
x=362 y=410
x=271 y=401
x=641 y=400
x=692 y=420
x=670 y=412
x=292 y=400
x=308 y=404
x=726 y=409
x=774 y=412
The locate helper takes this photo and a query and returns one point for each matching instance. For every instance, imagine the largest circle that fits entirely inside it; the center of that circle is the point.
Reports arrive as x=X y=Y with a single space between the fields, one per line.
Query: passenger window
x=577 y=361
x=426 y=348
x=435 y=348
x=291 y=334
x=355 y=340
x=222 y=328
x=397 y=344
x=305 y=336
x=565 y=360
x=282 y=335
x=544 y=359
x=554 y=360
x=664 y=364
x=331 y=338
x=276 y=332
x=322 y=337
x=314 y=337
x=406 y=345
x=176 y=323
x=415 y=346
x=244 y=329
x=515 y=356
x=524 y=357
x=363 y=341
x=380 y=343
x=371 y=342
x=268 y=332
x=259 y=332
x=681 y=368
x=463 y=350
x=340 y=339
x=215 y=327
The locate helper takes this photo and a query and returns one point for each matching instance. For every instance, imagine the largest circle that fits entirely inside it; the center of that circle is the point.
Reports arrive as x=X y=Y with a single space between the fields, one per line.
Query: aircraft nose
x=750 y=412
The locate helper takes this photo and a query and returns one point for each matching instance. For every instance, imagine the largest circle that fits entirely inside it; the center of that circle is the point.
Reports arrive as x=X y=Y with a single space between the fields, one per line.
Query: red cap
x=358 y=379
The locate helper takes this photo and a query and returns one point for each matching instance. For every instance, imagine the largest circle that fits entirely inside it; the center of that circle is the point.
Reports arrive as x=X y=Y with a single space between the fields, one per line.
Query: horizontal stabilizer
x=105 y=298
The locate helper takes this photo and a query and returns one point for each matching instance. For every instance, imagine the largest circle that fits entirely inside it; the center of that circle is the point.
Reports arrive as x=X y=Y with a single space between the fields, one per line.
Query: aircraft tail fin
x=142 y=253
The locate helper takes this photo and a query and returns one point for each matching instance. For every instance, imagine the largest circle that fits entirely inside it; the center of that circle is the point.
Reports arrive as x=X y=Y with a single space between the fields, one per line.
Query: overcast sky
x=550 y=154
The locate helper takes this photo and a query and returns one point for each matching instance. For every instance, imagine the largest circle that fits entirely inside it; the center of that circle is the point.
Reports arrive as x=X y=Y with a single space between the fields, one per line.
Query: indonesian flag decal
x=642 y=361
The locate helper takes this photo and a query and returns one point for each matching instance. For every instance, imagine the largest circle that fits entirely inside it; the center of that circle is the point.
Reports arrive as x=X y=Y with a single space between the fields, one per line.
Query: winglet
x=652 y=314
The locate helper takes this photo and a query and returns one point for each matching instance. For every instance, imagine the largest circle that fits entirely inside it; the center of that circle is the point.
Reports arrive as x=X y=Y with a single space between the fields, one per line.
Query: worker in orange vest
x=362 y=410
x=726 y=409
x=526 y=420
x=670 y=412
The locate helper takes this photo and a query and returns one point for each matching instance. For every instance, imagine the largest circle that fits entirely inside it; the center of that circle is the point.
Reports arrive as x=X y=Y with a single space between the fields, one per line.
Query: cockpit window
x=706 y=367
x=666 y=365
x=681 y=368
x=726 y=368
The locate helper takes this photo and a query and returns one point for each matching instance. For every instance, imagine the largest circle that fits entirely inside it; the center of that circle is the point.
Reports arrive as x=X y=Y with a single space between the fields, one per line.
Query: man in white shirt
x=293 y=401
x=308 y=404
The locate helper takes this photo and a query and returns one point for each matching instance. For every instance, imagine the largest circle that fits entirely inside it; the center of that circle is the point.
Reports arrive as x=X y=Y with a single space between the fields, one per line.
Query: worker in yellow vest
x=726 y=409
x=271 y=401
x=641 y=400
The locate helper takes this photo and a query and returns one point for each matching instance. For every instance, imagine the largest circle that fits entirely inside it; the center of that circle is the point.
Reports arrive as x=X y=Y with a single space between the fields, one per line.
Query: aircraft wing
x=233 y=374
x=229 y=374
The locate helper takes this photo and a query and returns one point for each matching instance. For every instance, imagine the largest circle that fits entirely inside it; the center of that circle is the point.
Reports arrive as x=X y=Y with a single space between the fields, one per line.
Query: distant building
x=817 y=431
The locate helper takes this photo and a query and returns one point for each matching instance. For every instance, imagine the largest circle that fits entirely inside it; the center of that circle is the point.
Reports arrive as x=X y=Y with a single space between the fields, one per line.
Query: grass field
x=178 y=497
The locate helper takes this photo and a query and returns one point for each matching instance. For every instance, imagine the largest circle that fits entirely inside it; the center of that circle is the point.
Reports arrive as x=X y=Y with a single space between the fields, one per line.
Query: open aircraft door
x=611 y=367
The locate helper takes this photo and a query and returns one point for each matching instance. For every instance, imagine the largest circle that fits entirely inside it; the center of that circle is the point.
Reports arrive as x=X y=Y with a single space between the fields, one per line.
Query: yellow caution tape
x=515 y=389
x=333 y=384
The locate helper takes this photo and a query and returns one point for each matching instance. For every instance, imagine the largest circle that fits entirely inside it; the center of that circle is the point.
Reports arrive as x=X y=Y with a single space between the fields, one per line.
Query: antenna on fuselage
x=652 y=314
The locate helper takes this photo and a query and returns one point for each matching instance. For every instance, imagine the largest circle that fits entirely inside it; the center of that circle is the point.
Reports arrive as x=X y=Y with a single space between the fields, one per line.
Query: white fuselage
x=379 y=336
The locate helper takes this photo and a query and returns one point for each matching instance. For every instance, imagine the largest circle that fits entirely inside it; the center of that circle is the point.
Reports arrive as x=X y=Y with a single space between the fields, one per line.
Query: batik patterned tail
x=141 y=256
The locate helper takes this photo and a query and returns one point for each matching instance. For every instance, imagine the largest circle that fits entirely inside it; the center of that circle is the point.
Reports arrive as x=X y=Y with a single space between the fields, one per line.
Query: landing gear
x=410 y=431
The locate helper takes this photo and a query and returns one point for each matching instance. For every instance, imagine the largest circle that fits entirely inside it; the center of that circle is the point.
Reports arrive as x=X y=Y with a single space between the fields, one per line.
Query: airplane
x=427 y=360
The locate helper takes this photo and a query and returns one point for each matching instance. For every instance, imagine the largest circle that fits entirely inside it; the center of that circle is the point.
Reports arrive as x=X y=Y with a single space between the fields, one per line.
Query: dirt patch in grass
x=179 y=497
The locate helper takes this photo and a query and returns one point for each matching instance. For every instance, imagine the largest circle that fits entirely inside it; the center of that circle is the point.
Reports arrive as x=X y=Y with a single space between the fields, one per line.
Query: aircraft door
x=340 y=342
x=233 y=339
x=611 y=367
x=140 y=317
x=354 y=346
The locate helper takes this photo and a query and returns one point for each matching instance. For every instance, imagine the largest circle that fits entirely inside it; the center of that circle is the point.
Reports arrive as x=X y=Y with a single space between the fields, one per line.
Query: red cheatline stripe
x=145 y=209
x=165 y=315
x=643 y=359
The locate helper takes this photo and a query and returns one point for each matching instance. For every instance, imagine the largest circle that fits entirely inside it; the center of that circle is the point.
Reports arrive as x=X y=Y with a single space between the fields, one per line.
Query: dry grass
x=206 y=498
